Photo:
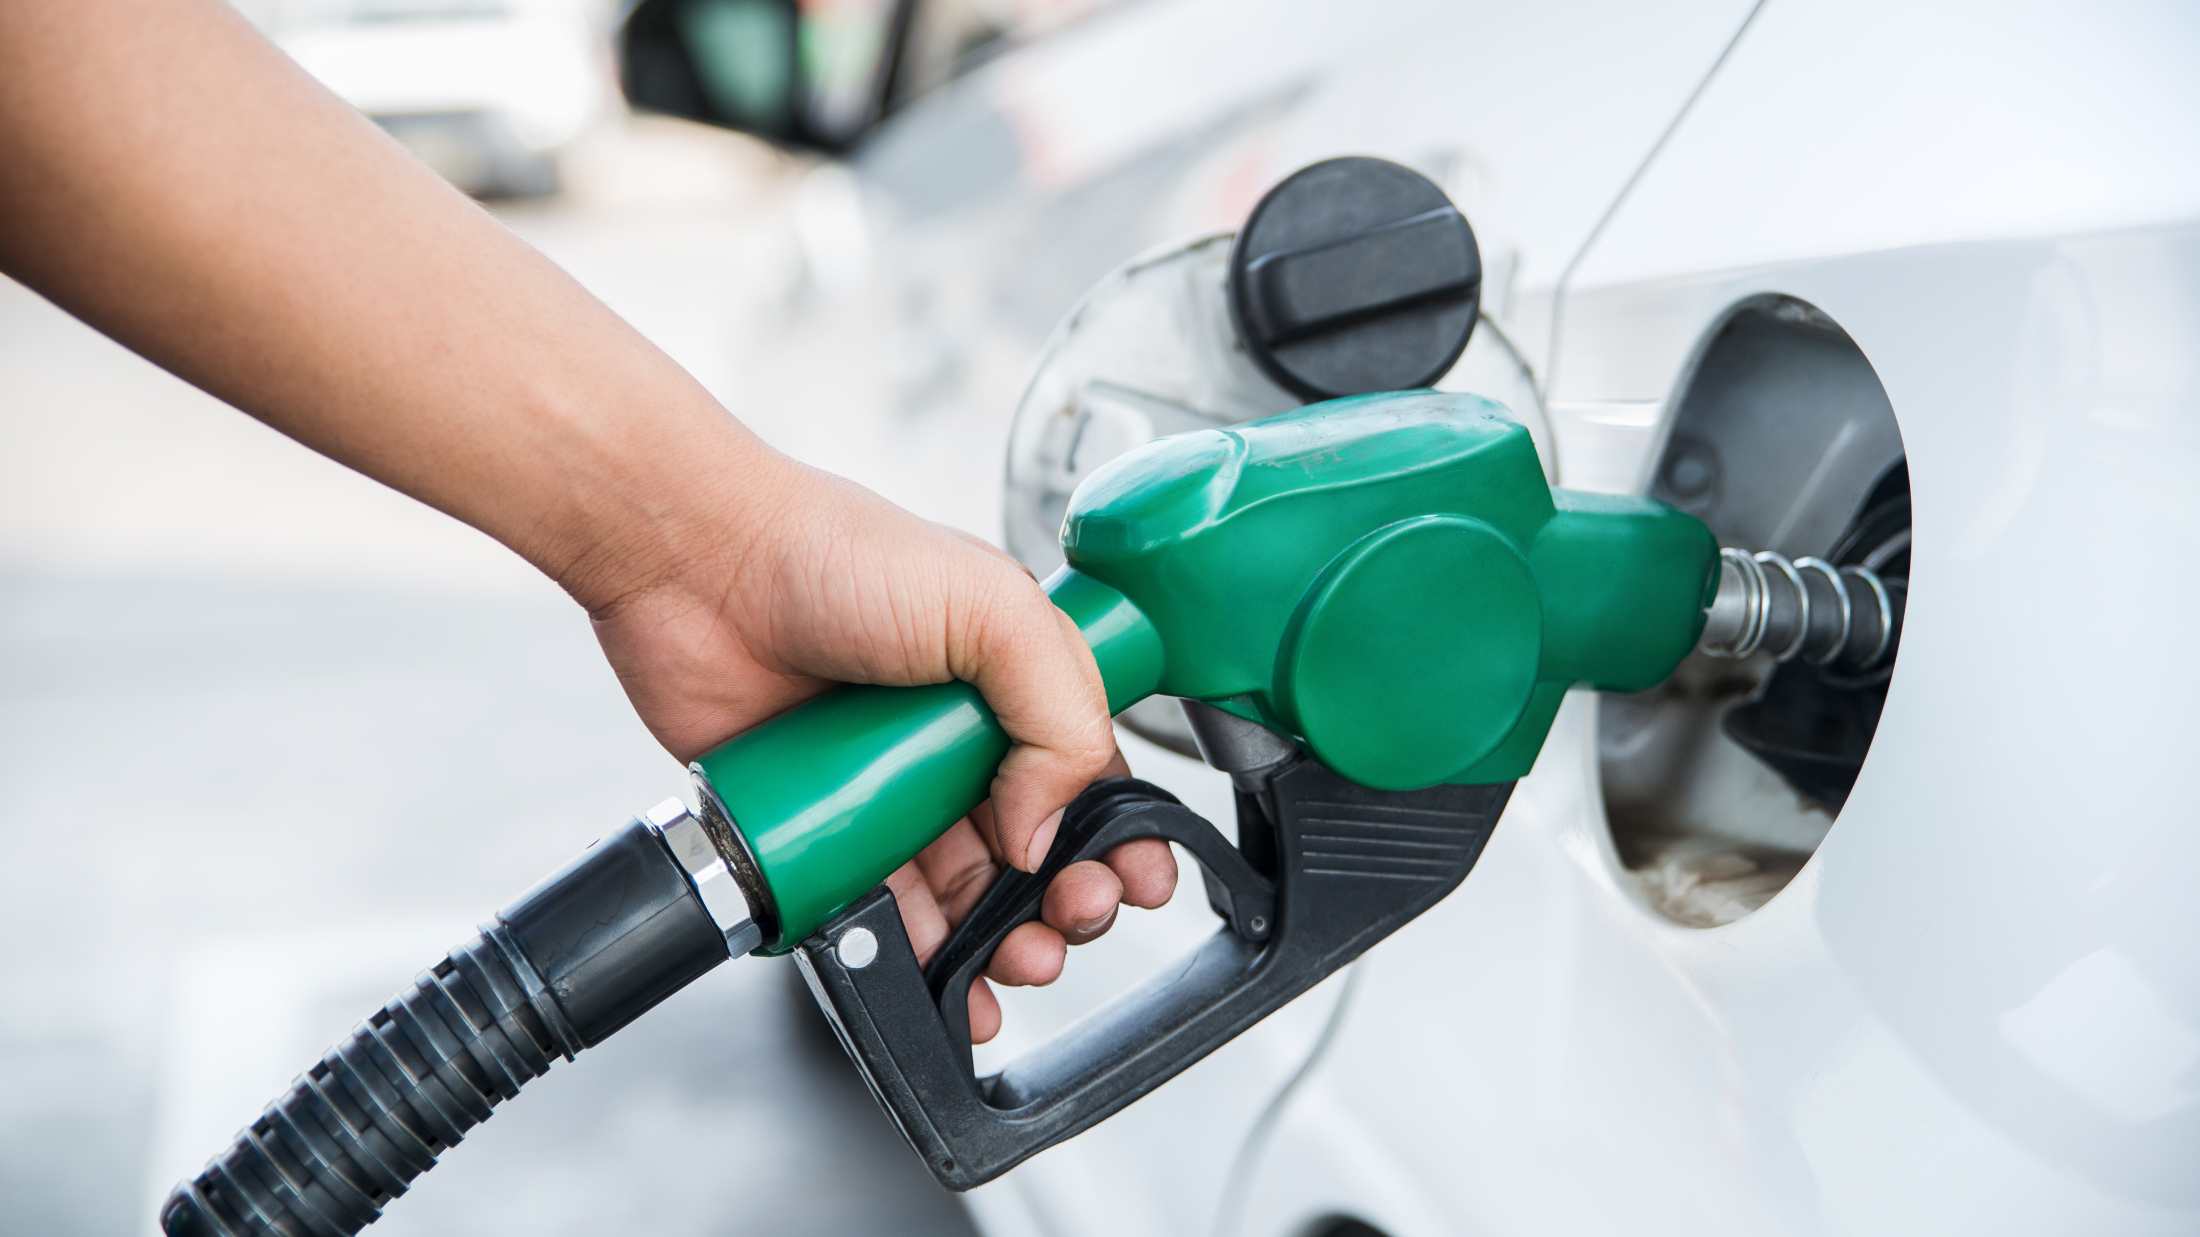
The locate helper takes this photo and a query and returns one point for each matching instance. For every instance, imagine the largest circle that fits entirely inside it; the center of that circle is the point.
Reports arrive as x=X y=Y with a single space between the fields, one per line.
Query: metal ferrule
x=716 y=884
x=1846 y=617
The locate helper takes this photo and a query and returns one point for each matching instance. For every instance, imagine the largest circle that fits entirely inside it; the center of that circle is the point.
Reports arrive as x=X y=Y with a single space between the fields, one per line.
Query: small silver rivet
x=857 y=948
x=1259 y=923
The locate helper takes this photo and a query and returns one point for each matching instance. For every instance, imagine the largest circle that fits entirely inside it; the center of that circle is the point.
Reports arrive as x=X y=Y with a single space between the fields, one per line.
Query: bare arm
x=174 y=180
x=178 y=183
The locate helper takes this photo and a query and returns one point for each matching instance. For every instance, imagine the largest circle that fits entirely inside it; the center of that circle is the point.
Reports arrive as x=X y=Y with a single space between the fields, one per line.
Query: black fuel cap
x=1355 y=275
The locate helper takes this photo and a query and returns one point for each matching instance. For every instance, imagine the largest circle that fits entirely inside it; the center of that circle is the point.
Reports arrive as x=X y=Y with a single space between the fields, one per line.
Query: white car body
x=1977 y=1007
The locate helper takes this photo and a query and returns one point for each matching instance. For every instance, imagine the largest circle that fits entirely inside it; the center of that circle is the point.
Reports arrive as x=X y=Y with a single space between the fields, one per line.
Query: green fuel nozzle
x=1387 y=578
x=1381 y=590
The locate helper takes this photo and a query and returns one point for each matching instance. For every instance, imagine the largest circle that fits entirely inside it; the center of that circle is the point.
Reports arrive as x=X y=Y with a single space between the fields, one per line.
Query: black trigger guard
x=1106 y=815
x=1348 y=867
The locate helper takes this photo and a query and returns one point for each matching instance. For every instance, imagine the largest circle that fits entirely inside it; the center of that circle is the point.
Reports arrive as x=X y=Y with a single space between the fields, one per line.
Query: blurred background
x=266 y=718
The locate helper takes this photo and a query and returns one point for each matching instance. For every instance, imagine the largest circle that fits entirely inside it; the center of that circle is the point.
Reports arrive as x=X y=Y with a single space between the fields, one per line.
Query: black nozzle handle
x=572 y=960
x=1323 y=869
x=1106 y=815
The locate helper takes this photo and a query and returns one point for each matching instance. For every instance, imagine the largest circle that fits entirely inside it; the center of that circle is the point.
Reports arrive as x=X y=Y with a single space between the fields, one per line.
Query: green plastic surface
x=1387 y=577
x=835 y=793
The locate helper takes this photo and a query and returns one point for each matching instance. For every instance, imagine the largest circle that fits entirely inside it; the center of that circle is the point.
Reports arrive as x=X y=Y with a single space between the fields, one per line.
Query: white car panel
x=1976 y=1010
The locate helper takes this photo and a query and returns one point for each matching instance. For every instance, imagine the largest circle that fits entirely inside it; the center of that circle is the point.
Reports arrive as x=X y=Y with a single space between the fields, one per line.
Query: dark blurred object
x=810 y=76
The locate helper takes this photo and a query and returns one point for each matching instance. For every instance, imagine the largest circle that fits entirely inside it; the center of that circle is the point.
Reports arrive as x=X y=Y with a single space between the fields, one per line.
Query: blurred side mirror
x=802 y=73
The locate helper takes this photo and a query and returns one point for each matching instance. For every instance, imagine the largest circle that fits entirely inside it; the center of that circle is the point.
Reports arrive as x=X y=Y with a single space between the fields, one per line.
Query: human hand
x=802 y=579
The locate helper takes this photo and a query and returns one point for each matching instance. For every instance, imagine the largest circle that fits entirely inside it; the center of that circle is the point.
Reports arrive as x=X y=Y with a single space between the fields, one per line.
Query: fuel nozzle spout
x=1846 y=617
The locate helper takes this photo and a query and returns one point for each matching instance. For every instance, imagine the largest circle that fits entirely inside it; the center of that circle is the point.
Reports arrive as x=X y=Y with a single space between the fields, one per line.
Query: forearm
x=179 y=184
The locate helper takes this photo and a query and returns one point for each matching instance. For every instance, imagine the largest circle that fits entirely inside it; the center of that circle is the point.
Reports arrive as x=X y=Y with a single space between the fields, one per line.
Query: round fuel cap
x=1355 y=275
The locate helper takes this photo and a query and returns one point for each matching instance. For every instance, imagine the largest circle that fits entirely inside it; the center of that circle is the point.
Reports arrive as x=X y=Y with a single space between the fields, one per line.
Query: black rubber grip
x=1323 y=869
x=569 y=962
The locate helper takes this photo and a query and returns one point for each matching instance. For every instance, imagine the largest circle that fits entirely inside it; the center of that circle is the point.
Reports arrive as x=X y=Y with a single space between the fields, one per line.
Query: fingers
x=1035 y=671
x=970 y=538
x=920 y=911
x=1147 y=871
x=985 y=1012
x=1030 y=956
x=938 y=888
x=958 y=867
x=927 y=925
x=1081 y=901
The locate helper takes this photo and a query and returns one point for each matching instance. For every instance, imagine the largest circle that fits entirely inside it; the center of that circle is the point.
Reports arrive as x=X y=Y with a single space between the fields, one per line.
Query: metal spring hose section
x=1801 y=608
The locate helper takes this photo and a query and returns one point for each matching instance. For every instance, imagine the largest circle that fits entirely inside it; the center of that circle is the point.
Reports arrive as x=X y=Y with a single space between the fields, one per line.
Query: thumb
x=1036 y=673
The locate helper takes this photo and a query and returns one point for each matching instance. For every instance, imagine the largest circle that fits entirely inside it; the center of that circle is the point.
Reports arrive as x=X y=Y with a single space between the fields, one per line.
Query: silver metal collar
x=708 y=871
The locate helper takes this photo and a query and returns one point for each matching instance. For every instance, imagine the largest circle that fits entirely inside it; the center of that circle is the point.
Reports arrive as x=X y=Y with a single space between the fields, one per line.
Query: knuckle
x=963 y=886
x=1020 y=607
x=997 y=615
x=1091 y=751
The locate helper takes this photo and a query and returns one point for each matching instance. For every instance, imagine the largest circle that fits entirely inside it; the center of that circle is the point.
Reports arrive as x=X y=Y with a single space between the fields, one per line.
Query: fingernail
x=1042 y=841
x=1086 y=929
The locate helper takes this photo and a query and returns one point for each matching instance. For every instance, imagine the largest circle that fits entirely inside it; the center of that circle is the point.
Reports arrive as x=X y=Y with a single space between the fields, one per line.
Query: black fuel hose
x=572 y=960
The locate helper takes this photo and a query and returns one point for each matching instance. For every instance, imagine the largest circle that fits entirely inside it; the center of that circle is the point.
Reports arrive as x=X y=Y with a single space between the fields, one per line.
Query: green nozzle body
x=1388 y=578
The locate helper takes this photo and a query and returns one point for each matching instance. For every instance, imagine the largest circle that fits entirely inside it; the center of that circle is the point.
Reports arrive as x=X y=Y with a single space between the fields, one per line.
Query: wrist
x=663 y=513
